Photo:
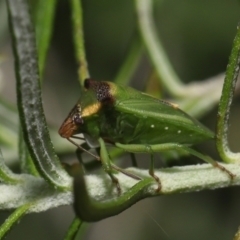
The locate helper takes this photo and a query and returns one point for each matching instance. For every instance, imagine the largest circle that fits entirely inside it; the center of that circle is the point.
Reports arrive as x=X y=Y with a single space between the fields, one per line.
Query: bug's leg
x=133 y=158
x=107 y=166
x=173 y=146
x=151 y=172
x=209 y=160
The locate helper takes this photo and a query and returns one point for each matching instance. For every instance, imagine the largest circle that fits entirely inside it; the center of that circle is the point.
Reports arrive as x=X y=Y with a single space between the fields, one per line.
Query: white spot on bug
x=174 y=105
x=179 y=131
x=152 y=126
x=166 y=128
x=148 y=148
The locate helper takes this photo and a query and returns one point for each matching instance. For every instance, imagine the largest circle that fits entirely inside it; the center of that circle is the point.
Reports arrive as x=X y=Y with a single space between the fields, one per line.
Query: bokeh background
x=197 y=36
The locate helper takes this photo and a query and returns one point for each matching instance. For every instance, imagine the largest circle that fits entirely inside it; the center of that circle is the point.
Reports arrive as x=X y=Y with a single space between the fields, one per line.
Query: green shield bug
x=134 y=122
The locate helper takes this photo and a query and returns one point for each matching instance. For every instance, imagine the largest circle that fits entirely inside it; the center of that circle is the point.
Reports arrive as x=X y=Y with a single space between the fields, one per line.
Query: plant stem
x=73 y=229
x=13 y=219
x=225 y=103
x=155 y=50
x=78 y=37
x=127 y=69
x=93 y=201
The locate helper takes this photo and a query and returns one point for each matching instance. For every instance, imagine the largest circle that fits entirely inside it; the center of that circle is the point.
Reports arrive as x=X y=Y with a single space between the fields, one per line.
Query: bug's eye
x=77 y=119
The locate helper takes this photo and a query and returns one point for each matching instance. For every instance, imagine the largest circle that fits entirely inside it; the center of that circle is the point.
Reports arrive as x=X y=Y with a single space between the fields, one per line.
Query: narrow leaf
x=27 y=165
x=29 y=101
x=44 y=19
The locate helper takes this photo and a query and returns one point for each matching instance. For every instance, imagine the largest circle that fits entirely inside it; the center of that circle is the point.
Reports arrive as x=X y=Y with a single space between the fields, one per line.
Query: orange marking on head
x=68 y=128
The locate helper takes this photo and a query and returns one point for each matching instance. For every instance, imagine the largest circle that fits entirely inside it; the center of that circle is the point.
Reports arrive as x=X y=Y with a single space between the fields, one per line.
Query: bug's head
x=71 y=124
x=94 y=97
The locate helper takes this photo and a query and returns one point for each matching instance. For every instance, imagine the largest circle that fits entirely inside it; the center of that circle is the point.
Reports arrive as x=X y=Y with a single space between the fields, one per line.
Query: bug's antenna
x=125 y=172
x=83 y=149
x=81 y=138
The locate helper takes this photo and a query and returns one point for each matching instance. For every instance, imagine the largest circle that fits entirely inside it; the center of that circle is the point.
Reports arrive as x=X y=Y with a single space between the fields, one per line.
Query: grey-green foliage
x=30 y=193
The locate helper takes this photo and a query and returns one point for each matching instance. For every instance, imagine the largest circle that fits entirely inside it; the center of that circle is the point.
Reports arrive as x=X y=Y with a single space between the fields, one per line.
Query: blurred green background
x=197 y=36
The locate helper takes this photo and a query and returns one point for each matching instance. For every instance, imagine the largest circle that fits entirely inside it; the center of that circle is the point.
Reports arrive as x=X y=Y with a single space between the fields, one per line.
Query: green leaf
x=27 y=165
x=44 y=29
x=30 y=107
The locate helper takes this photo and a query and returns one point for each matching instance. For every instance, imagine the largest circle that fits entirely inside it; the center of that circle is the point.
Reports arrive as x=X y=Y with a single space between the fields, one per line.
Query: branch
x=100 y=188
x=94 y=201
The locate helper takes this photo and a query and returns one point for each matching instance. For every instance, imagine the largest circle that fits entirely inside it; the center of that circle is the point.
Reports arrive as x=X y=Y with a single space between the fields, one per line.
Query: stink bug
x=134 y=122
